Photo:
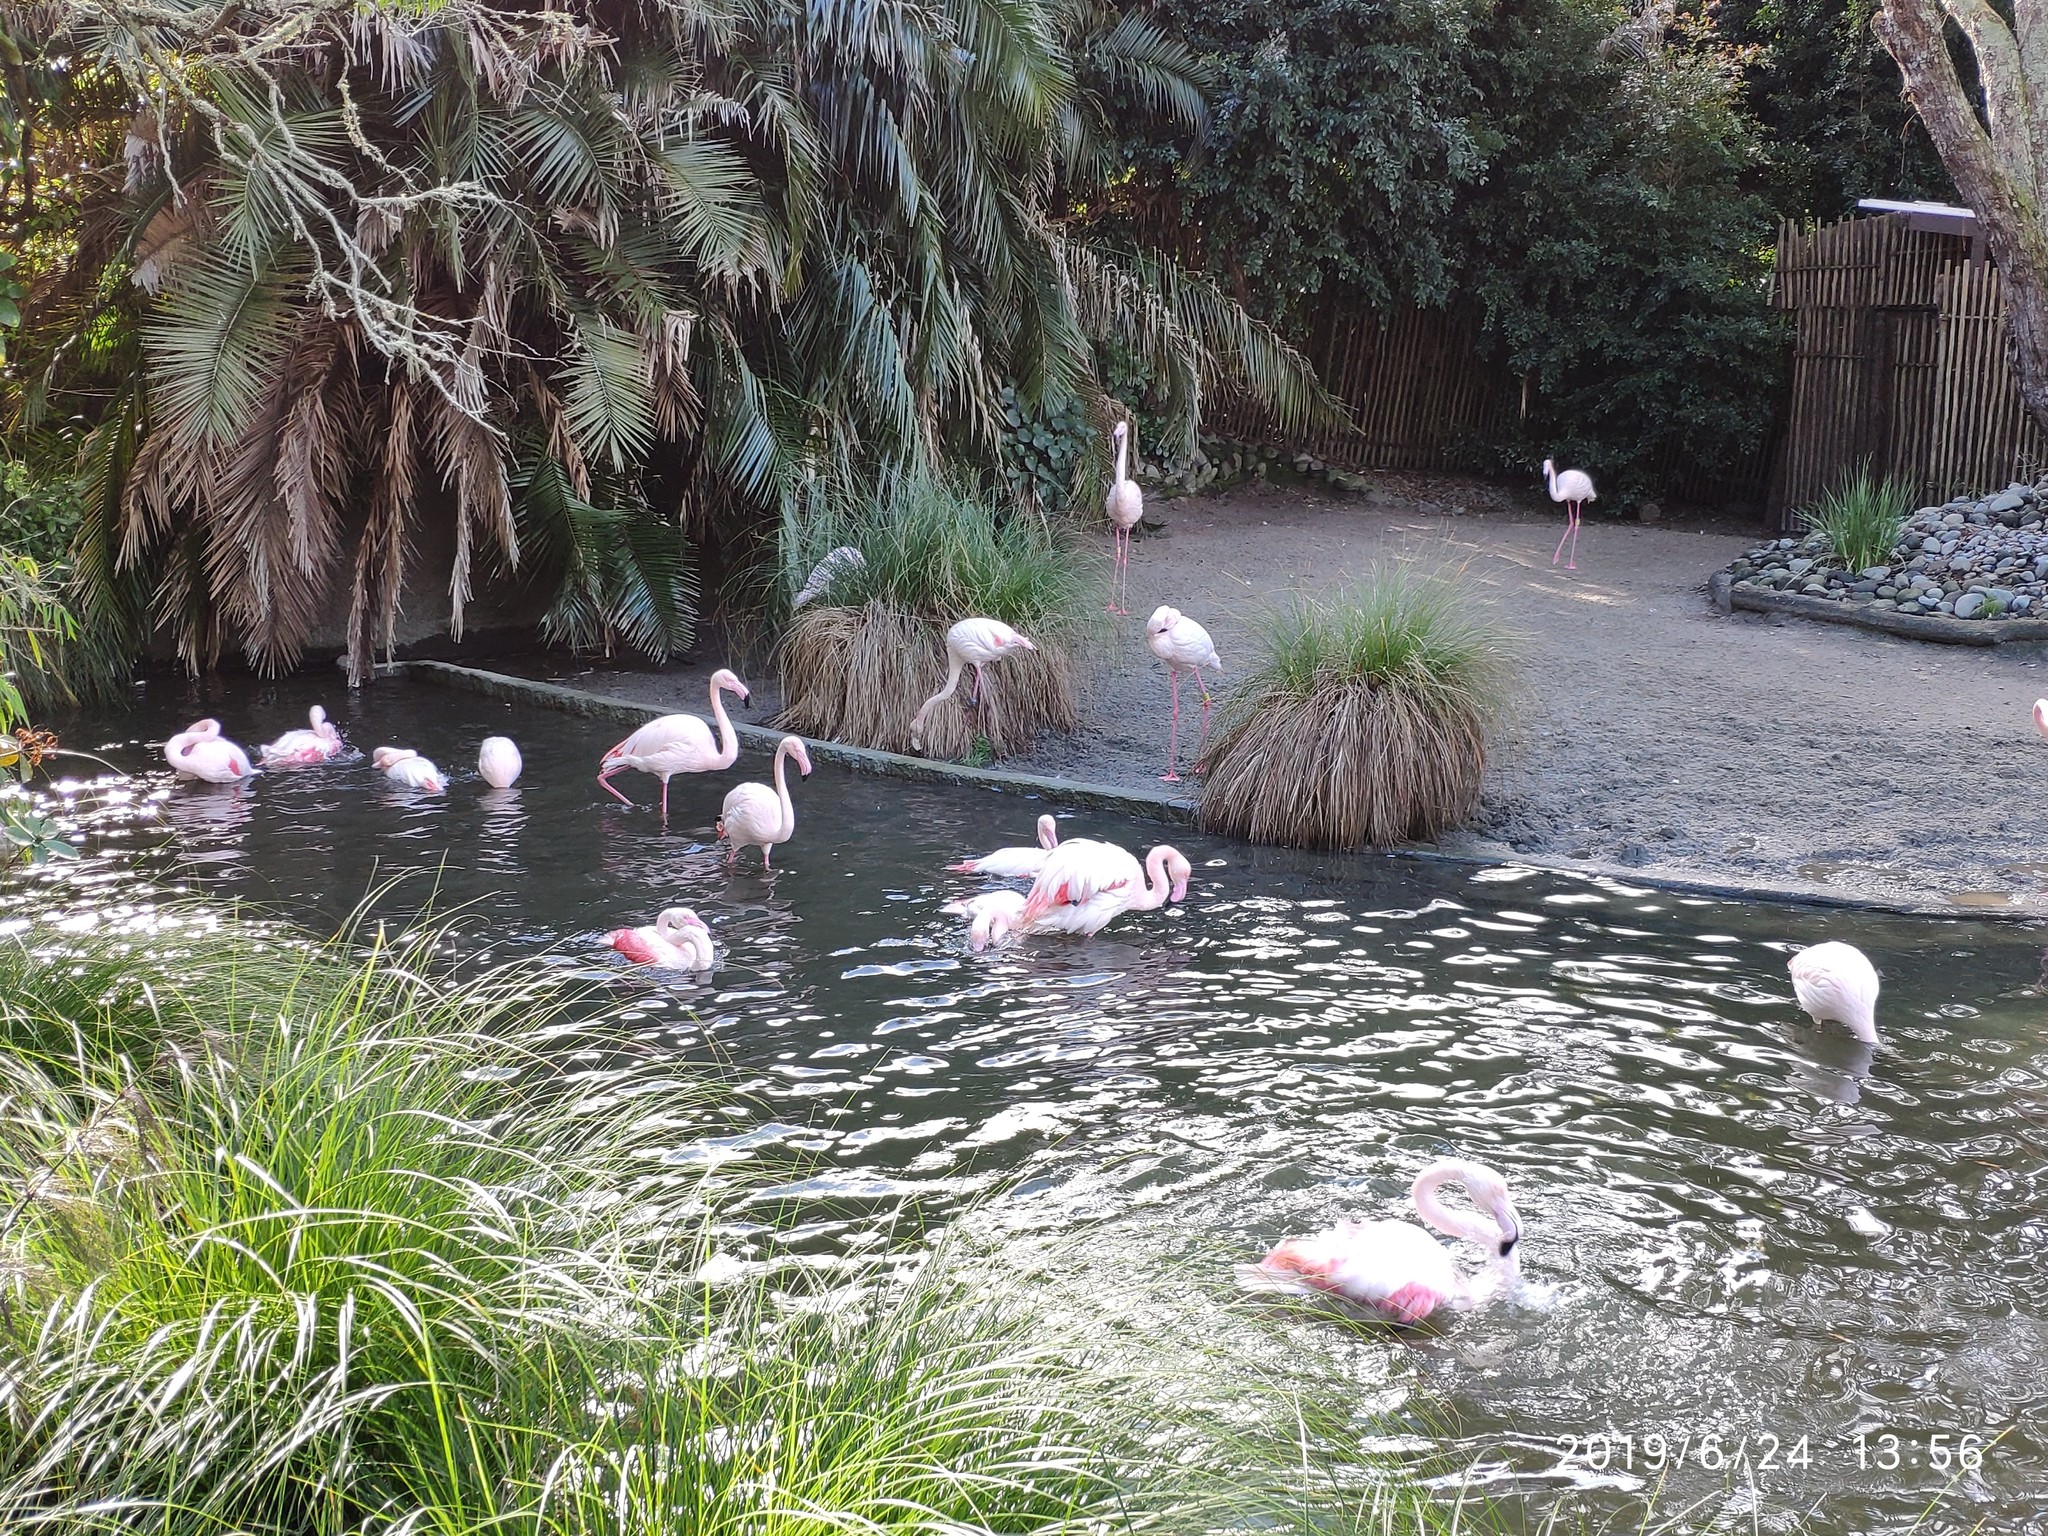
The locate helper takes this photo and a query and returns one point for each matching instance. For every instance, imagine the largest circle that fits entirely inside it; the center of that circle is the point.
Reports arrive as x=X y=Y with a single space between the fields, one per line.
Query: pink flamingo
x=677 y=744
x=1125 y=506
x=498 y=760
x=759 y=817
x=992 y=916
x=201 y=752
x=304 y=749
x=1086 y=883
x=1184 y=646
x=403 y=766
x=1574 y=488
x=1014 y=863
x=1395 y=1268
x=678 y=941
x=2041 y=716
x=1837 y=984
x=971 y=643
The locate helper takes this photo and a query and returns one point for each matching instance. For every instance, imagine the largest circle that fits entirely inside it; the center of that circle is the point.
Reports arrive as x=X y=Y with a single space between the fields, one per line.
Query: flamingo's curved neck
x=788 y=823
x=728 y=739
x=1468 y=1225
x=952 y=681
x=1158 y=885
x=1550 y=478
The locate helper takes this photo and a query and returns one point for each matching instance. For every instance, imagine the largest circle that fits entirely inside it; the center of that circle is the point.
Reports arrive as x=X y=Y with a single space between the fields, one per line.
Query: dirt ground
x=1655 y=736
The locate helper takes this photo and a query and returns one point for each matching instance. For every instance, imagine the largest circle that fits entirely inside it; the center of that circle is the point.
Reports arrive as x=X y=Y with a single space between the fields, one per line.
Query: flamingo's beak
x=744 y=693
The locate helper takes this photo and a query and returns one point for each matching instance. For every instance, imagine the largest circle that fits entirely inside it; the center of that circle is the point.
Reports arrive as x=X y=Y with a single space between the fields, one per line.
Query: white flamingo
x=1184 y=646
x=2041 y=716
x=970 y=643
x=1126 y=507
x=499 y=762
x=1396 y=1269
x=402 y=765
x=1014 y=863
x=1085 y=884
x=1837 y=984
x=992 y=916
x=304 y=749
x=1573 y=487
x=759 y=817
x=678 y=941
x=677 y=744
x=201 y=752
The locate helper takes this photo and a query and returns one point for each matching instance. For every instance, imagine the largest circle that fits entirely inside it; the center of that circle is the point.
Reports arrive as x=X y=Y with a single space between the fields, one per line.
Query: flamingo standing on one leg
x=498 y=760
x=1125 y=506
x=304 y=749
x=1184 y=646
x=992 y=916
x=201 y=752
x=404 y=766
x=971 y=643
x=759 y=817
x=679 y=941
x=677 y=744
x=1574 y=488
x=1394 y=1267
x=1014 y=863
x=1837 y=984
x=1086 y=883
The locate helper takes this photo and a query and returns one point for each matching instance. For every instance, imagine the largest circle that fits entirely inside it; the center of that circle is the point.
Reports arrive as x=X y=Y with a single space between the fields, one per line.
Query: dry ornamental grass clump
x=1366 y=721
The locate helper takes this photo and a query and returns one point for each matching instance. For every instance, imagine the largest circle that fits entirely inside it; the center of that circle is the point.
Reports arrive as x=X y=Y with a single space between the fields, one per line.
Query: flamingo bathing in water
x=1014 y=863
x=759 y=817
x=498 y=760
x=677 y=744
x=1574 y=487
x=1837 y=984
x=1085 y=884
x=678 y=941
x=1184 y=646
x=304 y=749
x=1126 y=508
x=971 y=643
x=992 y=916
x=201 y=752
x=1394 y=1268
x=403 y=766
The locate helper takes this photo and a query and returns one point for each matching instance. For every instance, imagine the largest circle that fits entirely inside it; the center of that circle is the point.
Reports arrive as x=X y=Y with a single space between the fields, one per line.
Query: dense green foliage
x=1863 y=518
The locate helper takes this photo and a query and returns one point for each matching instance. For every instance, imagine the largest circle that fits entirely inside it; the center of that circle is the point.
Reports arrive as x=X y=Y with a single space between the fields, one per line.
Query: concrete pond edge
x=1155 y=806
x=1939 y=628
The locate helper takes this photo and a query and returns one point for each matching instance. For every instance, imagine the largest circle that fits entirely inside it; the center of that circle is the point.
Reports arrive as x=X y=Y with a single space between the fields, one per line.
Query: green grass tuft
x=1863 y=518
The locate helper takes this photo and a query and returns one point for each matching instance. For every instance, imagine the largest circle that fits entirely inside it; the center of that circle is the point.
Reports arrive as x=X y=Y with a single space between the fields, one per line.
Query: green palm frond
x=215 y=348
x=610 y=394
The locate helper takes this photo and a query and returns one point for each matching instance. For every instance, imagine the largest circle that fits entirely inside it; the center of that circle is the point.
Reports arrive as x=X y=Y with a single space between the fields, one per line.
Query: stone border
x=1153 y=806
x=1937 y=627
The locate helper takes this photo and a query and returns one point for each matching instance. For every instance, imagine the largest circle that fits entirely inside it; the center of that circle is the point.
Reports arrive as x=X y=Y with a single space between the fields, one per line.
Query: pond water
x=1740 y=1232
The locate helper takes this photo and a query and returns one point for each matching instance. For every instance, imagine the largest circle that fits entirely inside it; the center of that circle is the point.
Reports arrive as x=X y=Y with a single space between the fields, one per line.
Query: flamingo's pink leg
x=605 y=782
x=1572 y=562
x=1116 y=554
x=1562 y=536
x=1172 y=774
x=664 y=802
x=766 y=849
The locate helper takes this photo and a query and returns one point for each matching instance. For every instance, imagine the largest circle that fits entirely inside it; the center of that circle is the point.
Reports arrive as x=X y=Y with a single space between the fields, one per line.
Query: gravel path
x=1655 y=735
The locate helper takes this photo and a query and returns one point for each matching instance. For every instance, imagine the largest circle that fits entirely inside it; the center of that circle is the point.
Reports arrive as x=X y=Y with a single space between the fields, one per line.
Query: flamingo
x=2041 y=716
x=843 y=561
x=404 y=766
x=1574 y=488
x=678 y=941
x=759 y=817
x=1837 y=984
x=304 y=749
x=1395 y=1268
x=992 y=916
x=201 y=752
x=677 y=744
x=1014 y=863
x=1086 y=883
x=970 y=643
x=1125 y=506
x=1184 y=646
x=498 y=760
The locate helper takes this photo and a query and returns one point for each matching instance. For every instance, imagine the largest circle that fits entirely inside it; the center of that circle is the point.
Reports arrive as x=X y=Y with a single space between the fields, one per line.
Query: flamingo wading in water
x=1574 y=488
x=402 y=765
x=304 y=749
x=1394 y=1268
x=678 y=941
x=1125 y=506
x=1837 y=984
x=677 y=744
x=1085 y=884
x=499 y=762
x=759 y=817
x=970 y=643
x=201 y=752
x=991 y=917
x=1014 y=863
x=1184 y=646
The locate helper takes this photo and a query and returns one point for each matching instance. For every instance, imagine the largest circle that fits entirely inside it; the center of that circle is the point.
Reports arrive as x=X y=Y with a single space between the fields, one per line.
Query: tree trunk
x=1999 y=162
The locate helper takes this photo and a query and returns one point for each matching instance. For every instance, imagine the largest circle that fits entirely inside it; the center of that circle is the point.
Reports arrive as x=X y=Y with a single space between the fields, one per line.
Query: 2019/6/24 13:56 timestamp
x=1762 y=1451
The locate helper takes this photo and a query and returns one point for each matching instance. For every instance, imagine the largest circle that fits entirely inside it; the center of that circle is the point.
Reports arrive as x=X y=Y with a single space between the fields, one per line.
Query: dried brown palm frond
x=858 y=675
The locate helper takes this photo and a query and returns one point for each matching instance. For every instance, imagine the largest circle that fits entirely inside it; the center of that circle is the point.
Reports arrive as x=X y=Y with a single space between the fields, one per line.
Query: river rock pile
x=1983 y=559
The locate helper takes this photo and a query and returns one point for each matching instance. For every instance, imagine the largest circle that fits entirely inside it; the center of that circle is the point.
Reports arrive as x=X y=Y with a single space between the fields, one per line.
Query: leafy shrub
x=1863 y=518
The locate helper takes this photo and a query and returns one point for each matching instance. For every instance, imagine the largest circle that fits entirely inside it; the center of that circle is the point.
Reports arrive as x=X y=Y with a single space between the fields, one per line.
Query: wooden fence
x=1900 y=361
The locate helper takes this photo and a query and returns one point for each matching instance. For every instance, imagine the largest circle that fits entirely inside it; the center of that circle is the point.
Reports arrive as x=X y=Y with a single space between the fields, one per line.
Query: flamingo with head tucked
x=499 y=762
x=304 y=749
x=677 y=744
x=1085 y=884
x=1837 y=984
x=405 y=767
x=759 y=817
x=678 y=941
x=1396 y=1269
x=2041 y=716
x=1126 y=508
x=1014 y=863
x=201 y=752
x=1573 y=487
x=1184 y=646
x=991 y=916
x=971 y=643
